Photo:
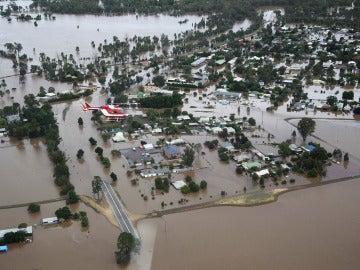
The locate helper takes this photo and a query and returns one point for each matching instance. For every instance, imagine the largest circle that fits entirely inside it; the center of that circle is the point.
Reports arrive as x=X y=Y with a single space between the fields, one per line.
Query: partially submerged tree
x=125 y=244
x=188 y=156
x=113 y=176
x=96 y=186
x=80 y=153
x=33 y=208
x=306 y=127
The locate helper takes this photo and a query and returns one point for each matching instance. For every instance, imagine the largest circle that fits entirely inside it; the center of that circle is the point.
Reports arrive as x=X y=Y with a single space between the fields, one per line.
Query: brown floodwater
x=278 y=236
x=316 y=228
x=26 y=172
x=63 y=246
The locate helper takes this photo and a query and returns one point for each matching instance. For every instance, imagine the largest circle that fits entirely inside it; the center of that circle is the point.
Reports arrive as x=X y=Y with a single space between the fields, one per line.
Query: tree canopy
x=188 y=156
x=125 y=244
x=306 y=127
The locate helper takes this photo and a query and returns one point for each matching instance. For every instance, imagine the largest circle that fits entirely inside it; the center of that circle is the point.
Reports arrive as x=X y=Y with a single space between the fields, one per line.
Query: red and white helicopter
x=110 y=111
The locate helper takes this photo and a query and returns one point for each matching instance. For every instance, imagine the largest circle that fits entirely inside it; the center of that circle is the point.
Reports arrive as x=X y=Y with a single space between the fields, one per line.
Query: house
x=12 y=118
x=199 y=62
x=163 y=92
x=308 y=148
x=251 y=165
x=156 y=131
x=119 y=137
x=2 y=132
x=230 y=130
x=204 y=119
x=216 y=130
x=294 y=148
x=228 y=146
x=347 y=108
x=28 y=231
x=284 y=167
x=220 y=62
x=262 y=172
x=49 y=221
x=148 y=146
x=176 y=142
x=178 y=184
x=183 y=118
x=226 y=94
x=171 y=152
x=152 y=173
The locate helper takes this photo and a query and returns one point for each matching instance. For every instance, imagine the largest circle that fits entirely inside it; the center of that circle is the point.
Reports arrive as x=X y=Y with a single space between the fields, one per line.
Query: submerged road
x=119 y=209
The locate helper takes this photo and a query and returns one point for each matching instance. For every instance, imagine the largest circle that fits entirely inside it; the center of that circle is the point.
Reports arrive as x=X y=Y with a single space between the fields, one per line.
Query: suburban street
x=119 y=209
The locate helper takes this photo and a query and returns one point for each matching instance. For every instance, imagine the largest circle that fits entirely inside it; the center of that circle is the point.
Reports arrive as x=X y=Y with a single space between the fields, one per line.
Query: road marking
x=120 y=212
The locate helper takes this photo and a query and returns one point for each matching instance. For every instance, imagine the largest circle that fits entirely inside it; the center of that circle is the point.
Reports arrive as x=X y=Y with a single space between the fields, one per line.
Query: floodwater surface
x=316 y=228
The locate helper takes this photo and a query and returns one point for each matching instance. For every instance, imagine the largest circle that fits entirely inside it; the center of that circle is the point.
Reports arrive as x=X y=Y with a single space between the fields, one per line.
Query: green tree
x=331 y=100
x=63 y=213
x=84 y=219
x=80 y=153
x=33 y=208
x=125 y=244
x=96 y=186
x=203 y=184
x=188 y=156
x=284 y=149
x=106 y=162
x=99 y=151
x=346 y=157
x=188 y=178
x=92 y=141
x=159 y=81
x=72 y=197
x=356 y=110
x=14 y=237
x=306 y=127
x=194 y=187
x=113 y=176
x=348 y=95
x=252 y=121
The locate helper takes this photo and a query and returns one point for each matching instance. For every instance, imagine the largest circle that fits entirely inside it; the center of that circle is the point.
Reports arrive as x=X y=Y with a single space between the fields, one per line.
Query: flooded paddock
x=60 y=246
x=315 y=228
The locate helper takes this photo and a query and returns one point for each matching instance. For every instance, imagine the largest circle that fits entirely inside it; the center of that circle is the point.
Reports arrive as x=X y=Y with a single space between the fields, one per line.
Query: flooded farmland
x=316 y=228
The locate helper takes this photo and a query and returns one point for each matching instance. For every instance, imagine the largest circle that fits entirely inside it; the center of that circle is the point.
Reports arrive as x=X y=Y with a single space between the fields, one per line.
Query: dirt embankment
x=103 y=208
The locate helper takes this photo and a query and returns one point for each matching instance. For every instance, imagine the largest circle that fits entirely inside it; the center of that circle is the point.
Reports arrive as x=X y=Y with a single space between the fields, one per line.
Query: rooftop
x=171 y=149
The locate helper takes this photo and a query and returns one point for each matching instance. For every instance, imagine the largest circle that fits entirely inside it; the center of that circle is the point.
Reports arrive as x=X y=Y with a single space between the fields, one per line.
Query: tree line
x=39 y=121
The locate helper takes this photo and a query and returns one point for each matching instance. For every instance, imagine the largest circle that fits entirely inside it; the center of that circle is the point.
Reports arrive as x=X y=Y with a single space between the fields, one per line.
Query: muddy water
x=80 y=30
x=60 y=247
x=235 y=249
x=26 y=172
x=316 y=228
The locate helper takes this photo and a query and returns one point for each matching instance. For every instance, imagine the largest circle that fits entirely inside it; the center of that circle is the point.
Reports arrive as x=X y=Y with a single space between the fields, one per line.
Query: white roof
x=50 y=219
x=26 y=230
x=183 y=117
x=118 y=137
x=216 y=129
x=178 y=184
x=177 y=141
x=148 y=146
x=230 y=129
x=157 y=130
x=262 y=172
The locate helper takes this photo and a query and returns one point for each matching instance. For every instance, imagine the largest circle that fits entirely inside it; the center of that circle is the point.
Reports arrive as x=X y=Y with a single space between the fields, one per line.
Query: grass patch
x=253 y=198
